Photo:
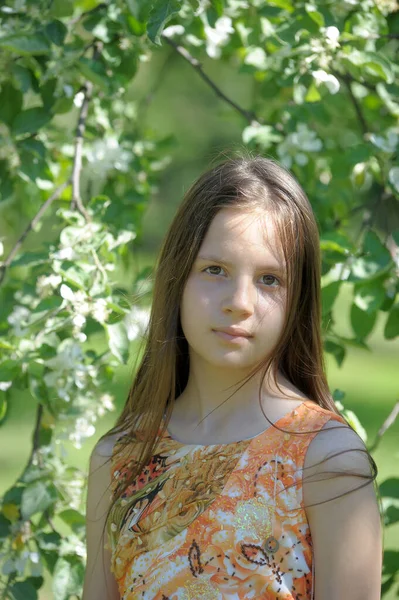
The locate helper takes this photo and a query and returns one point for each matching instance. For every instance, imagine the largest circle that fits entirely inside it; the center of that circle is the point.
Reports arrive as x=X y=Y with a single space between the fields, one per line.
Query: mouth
x=236 y=337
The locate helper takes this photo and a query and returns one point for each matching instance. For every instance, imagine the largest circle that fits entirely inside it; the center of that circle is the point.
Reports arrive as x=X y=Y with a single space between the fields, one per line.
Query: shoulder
x=343 y=514
x=337 y=446
x=103 y=452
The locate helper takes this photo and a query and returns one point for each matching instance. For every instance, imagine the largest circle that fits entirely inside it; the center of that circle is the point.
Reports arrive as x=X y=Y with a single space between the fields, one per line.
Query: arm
x=346 y=532
x=99 y=582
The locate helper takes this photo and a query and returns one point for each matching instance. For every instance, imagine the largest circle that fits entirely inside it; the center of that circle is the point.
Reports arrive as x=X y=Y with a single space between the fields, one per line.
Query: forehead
x=251 y=234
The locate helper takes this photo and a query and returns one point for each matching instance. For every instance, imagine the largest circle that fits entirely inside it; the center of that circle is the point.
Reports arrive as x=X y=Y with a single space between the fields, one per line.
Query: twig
x=386 y=424
x=99 y=265
x=76 y=201
x=56 y=194
x=250 y=116
x=35 y=436
x=146 y=100
x=356 y=105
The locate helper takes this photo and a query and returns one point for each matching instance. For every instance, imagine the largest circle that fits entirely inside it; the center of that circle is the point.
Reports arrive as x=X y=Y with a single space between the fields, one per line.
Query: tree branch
x=77 y=161
x=250 y=116
x=35 y=436
x=358 y=110
x=56 y=194
x=386 y=424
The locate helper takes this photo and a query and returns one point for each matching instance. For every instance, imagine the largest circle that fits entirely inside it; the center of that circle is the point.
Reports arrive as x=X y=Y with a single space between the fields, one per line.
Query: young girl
x=230 y=473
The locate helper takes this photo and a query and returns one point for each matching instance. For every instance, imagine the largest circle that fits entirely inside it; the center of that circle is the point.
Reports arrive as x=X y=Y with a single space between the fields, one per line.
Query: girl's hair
x=247 y=183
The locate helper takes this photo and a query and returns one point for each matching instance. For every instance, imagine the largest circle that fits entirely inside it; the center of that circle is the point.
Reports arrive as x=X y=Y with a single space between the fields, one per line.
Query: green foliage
x=325 y=105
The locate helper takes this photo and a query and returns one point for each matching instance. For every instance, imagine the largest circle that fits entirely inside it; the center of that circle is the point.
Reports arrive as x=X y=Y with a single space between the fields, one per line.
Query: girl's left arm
x=346 y=532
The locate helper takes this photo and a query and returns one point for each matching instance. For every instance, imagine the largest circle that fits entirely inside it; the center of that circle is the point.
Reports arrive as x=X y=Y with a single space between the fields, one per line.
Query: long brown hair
x=249 y=183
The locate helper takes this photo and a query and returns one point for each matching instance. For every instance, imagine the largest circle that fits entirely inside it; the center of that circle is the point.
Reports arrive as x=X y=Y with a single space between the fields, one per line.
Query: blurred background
x=197 y=126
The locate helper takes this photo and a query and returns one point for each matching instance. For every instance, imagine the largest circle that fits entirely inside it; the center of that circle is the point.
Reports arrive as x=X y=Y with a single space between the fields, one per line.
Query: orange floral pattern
x=196 y=523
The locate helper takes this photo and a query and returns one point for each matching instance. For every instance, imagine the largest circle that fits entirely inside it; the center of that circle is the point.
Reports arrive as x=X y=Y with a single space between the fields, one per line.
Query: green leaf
x=329 y=295
x=4 y=526
x=336 y=350
x=56 y=32
x=391 y=329
x=162 y=11
x=218 y=6
x=34 y=44
x=391 y=511
x=371 y=64
x=362 y=322
x=47 y=304
x=118 y=340
x=354 y=422
x=215 y=11
x=23 y=77
x=140 y=10
x=313 y=94
x=369 y=296
x=61 y=8
x=67 y=578
x=74 y=519
x=49 y=541
x=47 y=92
x=314 y=14
x=10 y=102
x=30 y=120
x=94 y=71
x=376 y=260
x=3 y=406
x=6 y=183
x=390 y=488
x=37 y=582
x=31 y=258
x=23 y=590
x=36 y=498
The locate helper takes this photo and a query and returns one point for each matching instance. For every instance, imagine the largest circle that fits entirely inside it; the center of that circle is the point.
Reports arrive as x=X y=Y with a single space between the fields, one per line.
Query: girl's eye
x=271 y=278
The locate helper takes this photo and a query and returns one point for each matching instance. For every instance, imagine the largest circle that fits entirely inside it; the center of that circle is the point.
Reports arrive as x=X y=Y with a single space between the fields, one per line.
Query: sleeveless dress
x=196 y=524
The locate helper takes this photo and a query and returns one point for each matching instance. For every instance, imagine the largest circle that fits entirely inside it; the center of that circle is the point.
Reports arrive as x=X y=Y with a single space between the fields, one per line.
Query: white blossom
x=331 y=35
x=46 y=284
x=83 y=429
x=296 y=144
x=105 y=155
x=78 y=99
x=218 y=36
x=331 y=82
x=66 y=253
x=5 y=385
x=393 y=177
x=17 y=318
x=100 y=312
x=173 y=30
x=136 y=322
x=387 y=142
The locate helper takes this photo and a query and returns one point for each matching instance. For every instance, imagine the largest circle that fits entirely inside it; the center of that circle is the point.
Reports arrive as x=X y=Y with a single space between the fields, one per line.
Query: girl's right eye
x=212 y=267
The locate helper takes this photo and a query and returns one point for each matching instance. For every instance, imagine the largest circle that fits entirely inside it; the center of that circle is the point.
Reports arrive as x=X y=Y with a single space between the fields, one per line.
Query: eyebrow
x=208 y=257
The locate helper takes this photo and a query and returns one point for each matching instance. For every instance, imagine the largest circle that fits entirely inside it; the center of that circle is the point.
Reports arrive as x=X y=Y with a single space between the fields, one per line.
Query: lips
x=236 y=331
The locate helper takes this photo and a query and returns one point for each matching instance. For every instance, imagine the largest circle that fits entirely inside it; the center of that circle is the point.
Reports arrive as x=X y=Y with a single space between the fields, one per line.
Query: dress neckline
x=278 y=422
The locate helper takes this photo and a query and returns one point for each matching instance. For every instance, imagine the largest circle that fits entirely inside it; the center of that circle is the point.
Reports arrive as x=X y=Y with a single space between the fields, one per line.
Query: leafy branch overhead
x=315 y=85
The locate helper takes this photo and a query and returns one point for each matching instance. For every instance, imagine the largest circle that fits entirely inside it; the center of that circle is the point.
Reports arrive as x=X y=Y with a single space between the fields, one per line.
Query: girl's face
x=238 y=281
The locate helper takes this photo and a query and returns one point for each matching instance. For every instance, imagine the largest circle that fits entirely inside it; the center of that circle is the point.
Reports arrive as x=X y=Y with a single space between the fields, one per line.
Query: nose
x=241 y=296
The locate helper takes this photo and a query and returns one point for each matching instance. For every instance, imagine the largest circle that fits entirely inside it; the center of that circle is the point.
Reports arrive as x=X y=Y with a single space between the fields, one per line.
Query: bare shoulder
x=337 y=446
x=99 y=581
x=104 y=448
x=343 y=515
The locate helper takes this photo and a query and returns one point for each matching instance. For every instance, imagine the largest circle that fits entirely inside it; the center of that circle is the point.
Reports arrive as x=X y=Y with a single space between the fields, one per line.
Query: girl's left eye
x=270 y=277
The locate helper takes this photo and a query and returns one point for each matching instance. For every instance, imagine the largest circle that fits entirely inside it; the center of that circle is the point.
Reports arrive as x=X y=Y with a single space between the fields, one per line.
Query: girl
x=262 y=493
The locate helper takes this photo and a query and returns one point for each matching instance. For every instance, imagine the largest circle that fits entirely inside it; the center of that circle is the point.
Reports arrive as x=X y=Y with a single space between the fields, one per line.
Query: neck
x=206 y=406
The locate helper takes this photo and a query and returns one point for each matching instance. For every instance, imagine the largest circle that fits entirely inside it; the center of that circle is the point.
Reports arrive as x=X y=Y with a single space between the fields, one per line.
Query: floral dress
x=217 y=522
